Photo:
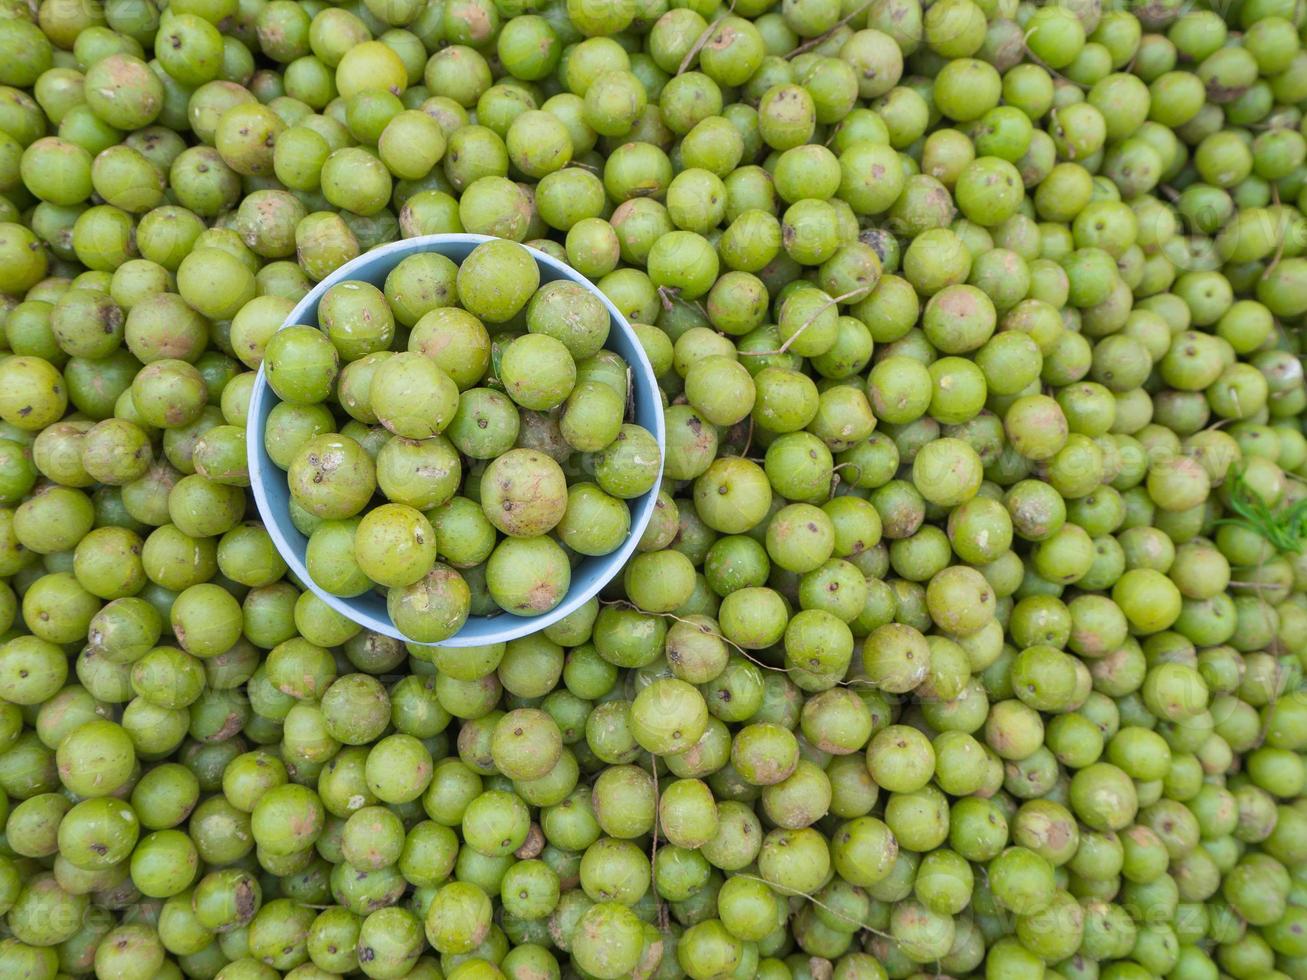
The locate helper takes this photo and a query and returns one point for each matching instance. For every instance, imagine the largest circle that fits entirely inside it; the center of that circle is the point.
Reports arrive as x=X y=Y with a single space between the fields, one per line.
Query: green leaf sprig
x=1285 y=527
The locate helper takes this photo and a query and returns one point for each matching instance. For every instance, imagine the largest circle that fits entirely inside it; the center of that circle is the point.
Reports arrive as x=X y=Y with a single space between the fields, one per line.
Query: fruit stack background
x=968 y=638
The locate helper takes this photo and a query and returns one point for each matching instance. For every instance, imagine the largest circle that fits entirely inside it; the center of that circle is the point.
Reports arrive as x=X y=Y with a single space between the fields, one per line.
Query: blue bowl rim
x=644 y=386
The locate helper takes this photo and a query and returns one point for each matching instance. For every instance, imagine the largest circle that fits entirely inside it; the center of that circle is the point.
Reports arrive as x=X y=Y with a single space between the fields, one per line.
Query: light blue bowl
x=369 y=610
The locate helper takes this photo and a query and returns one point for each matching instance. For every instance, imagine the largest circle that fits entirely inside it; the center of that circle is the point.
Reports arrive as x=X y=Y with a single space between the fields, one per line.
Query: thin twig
x=653 y=845
x=747 y=655
x=693 y=304
x=835 y=475
x=784 y=348
x=708 y=32
x=820 y=39
x=625 y=604
x=1280 y=229
x=1044 y=65
x=839 y=914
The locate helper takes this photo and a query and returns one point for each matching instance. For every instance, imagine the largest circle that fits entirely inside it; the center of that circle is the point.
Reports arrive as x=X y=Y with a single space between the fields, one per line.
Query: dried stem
x=835 y=475
x=653 y=838
x=1053 y=71
x=820 y=39
x=820 y=904
x=623 y=603
x=1280 y=230
x=784 y=348
x=695 y=48
x=693 y=304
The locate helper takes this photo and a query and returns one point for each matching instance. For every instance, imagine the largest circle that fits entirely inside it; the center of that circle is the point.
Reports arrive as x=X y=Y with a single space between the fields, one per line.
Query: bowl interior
x=272 y=494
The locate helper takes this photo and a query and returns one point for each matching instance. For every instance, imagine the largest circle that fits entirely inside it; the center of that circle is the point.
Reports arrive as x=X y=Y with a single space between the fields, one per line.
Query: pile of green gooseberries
x=967 y=638
x=414 y=419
